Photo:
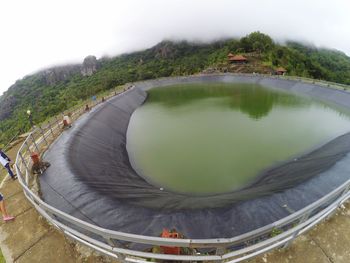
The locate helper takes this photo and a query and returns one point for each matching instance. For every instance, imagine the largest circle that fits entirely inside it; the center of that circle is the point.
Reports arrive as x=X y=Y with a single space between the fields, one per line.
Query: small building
x=237 y=59
x=280 y=71
x=230 y=56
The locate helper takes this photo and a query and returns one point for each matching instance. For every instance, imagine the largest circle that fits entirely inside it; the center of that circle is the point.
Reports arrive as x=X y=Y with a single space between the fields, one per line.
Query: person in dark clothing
x=5 y=161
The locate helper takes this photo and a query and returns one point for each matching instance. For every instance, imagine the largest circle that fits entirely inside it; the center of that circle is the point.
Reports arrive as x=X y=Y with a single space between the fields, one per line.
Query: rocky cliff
x=48 y=77
x=90 y=66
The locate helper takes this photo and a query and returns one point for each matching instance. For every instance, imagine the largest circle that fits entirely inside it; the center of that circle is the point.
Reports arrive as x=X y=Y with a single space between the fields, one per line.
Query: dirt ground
x=11 y=153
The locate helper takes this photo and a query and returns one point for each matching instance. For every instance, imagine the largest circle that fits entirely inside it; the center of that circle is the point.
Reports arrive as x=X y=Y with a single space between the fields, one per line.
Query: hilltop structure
x=237 y=59
x=280 y=71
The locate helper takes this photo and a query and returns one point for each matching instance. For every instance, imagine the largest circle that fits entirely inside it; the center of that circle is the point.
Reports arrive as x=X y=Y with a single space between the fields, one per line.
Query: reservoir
x=205 y=139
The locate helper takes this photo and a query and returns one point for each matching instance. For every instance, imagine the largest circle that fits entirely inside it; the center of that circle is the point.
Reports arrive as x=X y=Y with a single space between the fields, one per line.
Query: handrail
x=236 y=248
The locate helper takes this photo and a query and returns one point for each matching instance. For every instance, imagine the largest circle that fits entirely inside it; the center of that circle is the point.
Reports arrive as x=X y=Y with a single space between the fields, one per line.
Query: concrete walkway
x=30 y=239
x=329 y=242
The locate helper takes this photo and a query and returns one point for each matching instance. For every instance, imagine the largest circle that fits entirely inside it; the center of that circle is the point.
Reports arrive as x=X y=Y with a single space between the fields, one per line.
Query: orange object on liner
x=170 y=250
x=35 y=157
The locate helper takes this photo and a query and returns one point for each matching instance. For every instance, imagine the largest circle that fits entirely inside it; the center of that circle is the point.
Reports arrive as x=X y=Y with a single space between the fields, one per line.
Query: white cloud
x=40 y=33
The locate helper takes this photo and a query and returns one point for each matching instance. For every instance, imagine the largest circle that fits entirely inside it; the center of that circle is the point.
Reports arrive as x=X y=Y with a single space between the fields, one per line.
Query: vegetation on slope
x=2 y=260
x=51 y=91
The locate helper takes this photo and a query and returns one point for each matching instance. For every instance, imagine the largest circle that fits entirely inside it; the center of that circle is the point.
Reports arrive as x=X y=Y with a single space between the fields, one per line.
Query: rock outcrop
x=47 y=77
x=57 y=74
x=54 y=75
x=90 y=66
x=164 y=49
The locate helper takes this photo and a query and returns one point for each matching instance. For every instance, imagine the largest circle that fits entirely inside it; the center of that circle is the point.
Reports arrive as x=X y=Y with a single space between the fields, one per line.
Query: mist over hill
x=50 y=91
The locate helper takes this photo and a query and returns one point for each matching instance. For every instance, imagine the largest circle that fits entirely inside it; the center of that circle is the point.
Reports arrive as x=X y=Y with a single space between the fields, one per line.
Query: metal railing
x=319 y=82
x=112 y=243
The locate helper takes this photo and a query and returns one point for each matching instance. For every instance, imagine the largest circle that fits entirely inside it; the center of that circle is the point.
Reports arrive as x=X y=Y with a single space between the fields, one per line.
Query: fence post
x=28 y=148
x=19 y=172
x=220 y=251
x=346 y=190
x=111 y=242
x=114 y=243
x=23 y=161
x=121 y=257
x=343 y=193
x=43 y=134
x=20 y=175
x=57 y=121
x=35 y=145
x=53 y=136
x=295 y=234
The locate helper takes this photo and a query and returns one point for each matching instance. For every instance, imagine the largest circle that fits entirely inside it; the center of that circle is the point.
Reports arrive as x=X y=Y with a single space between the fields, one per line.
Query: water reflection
x=251 y=99
x=217 y=138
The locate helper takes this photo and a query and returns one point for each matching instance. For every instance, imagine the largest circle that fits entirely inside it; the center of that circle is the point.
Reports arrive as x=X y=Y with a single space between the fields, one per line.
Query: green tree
x=257 y=41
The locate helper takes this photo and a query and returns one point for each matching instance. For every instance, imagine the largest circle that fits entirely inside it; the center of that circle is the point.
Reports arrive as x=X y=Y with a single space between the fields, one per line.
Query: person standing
x=5 y=161
x=5 y=215
x=30 y=118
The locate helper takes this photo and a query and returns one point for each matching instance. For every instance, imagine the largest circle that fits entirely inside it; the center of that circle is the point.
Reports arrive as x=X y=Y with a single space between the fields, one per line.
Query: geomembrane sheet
x=91 y=176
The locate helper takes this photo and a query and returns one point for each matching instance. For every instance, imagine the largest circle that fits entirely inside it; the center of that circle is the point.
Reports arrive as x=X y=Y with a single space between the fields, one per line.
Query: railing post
x=43 y=134
x=295 y=234
x=19 y=172
x=28 y=148
x=57 y=121
x=35 y=145
x=53 y=136
x=121 y=257
x=23 y=161
x=346 y=190
x=343 y=193
x=111 y=242
x=20 y=175
x=114 y=243
x=220 y=251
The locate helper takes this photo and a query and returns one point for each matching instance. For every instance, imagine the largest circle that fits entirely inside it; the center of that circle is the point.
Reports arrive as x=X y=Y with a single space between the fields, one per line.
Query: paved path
x=30 y=239
x=329 y=242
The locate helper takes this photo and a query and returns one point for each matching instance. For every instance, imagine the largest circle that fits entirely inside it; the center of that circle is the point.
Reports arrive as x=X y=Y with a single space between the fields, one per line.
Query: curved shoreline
x=127 y=201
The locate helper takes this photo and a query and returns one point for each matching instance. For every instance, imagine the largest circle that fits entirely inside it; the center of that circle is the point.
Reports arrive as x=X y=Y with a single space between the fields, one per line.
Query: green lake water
x=213 y=138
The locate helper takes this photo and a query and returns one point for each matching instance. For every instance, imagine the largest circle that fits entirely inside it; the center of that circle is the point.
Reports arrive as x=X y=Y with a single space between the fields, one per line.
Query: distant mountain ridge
x=53 y=90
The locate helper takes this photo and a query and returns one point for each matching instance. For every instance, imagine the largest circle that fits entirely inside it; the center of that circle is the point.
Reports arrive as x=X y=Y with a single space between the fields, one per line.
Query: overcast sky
x=39 y=33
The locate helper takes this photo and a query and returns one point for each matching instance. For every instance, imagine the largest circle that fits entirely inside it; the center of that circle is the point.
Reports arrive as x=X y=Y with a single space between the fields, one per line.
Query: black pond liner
x=91 y=176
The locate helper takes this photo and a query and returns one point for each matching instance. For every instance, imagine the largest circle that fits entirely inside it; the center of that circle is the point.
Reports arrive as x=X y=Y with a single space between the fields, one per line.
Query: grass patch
x=2 y=260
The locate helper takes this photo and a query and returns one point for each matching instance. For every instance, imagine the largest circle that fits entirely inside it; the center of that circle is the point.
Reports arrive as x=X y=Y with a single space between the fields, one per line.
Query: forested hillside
x=51 y=91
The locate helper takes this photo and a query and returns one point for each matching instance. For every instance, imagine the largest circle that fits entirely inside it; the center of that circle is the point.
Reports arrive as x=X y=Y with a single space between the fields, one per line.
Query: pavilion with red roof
x=237 y=59
x=280 y=71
